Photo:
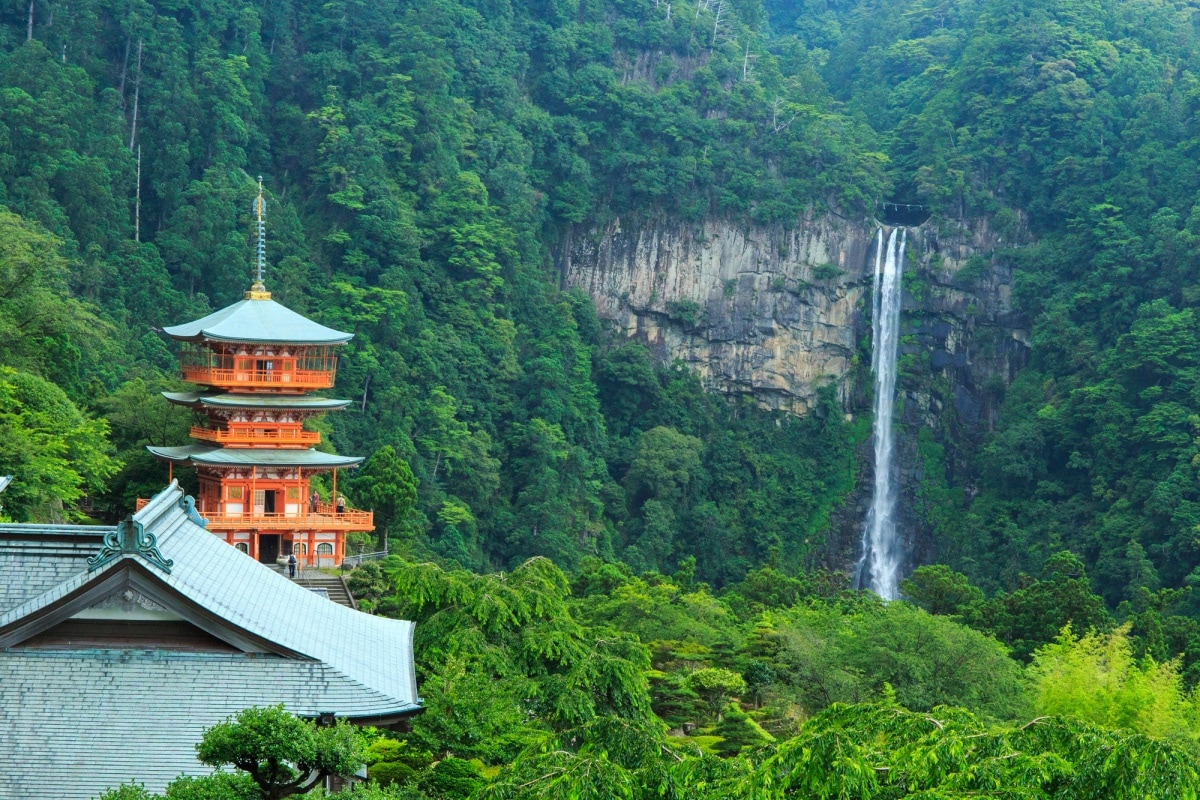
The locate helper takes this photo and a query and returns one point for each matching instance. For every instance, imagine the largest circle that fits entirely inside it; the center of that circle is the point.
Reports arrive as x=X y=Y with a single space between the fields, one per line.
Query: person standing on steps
x=292 y=566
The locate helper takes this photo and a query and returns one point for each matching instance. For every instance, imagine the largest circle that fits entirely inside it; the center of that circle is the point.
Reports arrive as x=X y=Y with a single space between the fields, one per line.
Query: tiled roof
x=36 y=558
x=246 y=456
x=301 y=402
x=257 y=321
x=73 y=722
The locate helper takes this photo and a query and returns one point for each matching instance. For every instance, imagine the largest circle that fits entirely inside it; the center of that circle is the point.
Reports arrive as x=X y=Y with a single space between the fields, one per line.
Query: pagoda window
x=245 y=548
x=324 y=549
x=301 y=548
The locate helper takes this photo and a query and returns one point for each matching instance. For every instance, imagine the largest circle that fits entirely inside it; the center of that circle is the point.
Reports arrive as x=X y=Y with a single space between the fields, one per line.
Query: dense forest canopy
x=425 y=161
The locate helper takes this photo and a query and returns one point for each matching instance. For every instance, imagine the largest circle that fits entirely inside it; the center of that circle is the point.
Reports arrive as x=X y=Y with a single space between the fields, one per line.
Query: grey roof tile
x=228 y=456
x=257 y=321
x=260 y=400
x=90 y=717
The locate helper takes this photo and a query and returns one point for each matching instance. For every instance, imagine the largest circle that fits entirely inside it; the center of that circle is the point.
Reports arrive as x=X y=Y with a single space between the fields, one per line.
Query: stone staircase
x=330 y=586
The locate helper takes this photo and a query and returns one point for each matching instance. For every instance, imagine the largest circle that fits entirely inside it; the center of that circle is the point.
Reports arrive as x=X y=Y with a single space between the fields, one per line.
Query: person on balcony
x=341 y=504
x=314 y=500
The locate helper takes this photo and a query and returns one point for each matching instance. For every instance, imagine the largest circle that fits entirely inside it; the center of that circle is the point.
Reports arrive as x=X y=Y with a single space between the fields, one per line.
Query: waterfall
x=879 y=567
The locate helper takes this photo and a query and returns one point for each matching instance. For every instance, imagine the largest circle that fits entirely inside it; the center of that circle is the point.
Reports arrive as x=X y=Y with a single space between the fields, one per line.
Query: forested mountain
x=422 y=160
x=426 y=162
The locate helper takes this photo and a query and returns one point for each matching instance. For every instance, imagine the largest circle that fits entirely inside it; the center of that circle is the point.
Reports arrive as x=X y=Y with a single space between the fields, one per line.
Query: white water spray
x=879 y=567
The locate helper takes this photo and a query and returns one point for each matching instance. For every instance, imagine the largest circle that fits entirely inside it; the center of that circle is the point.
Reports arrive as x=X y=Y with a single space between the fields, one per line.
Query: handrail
x=349 y=562
x=348 y=520
x=326 y=518
x=298 y=379
x=251 y=435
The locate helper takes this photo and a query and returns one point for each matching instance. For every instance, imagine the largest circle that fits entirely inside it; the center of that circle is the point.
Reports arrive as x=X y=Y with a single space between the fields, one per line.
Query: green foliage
x=386 y=485
x=283 y=754
x=1034 y=614
x=493 y=649
x=218 y=786
x=1096 y=679
x=423 y=162
x=54 y=453
x=818 y=655
x=738 y=732
x=452 y=779
x=126 y=791
x=941 y=591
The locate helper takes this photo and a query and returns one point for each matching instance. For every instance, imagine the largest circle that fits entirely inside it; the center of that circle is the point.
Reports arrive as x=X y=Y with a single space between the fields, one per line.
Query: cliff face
x=769 y=311
x=780 y=312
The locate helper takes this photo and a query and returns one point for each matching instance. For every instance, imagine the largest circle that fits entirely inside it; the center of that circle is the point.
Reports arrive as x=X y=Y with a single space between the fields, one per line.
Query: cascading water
x=879 y=567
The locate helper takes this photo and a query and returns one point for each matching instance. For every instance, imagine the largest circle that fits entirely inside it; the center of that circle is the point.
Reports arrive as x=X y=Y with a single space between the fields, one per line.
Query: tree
x=738 y=732
x=716 y=686
x=1095 y=678
x=386 y=485
x=941 y=591
x=54 y=453
x=1033 y=615
x=283 y=754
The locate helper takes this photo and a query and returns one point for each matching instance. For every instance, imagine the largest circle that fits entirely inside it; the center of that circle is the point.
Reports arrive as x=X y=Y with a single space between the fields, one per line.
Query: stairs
x=330 y=586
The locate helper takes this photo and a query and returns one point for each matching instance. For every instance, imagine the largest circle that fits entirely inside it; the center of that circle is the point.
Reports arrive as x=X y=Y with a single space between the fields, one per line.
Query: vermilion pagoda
x=258 y=361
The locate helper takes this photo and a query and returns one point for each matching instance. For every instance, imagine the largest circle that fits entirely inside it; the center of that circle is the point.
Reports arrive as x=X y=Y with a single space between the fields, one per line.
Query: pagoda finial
x=258 y=291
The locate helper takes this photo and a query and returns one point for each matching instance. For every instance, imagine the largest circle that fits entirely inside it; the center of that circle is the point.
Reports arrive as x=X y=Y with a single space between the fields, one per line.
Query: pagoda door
x=268 y=547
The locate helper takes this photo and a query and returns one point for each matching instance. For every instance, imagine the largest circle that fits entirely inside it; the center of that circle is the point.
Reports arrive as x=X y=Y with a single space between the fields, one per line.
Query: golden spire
x=258 y=291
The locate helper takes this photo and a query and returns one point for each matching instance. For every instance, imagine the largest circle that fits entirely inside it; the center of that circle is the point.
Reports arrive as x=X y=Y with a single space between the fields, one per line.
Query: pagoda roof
x=257 y=321
x=208 y=456
x=296 y=402
x=81 y=716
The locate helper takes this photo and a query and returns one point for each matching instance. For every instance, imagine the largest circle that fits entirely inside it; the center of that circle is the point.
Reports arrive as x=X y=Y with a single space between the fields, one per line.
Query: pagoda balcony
x=300 y=380
x=278 y=368
x=326 y=518
x=257 y=437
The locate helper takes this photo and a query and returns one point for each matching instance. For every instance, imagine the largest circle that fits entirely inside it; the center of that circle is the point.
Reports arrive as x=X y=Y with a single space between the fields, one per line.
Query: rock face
x=769 y=311
x=780 y=312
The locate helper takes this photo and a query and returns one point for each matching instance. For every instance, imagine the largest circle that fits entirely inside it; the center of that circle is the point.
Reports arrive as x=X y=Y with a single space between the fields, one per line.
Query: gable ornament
x=188 y=504
x=130 y=537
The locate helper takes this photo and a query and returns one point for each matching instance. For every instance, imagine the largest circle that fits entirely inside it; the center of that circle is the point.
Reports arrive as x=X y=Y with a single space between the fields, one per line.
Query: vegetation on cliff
x=425 y=160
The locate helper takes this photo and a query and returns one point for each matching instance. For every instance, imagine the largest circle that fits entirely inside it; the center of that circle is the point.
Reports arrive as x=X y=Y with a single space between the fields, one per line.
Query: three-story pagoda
x=258 y=362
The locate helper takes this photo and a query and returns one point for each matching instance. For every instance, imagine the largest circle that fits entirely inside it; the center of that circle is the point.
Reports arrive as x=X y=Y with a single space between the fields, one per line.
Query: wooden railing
x=300 y=380
x=326 y=518
x=251 y=437
x=346 y=521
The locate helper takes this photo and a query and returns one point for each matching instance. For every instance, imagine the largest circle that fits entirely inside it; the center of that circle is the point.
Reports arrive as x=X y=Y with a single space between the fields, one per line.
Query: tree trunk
x=137 y=91
x=124 y=71
x=29 y=27
x=137 y=206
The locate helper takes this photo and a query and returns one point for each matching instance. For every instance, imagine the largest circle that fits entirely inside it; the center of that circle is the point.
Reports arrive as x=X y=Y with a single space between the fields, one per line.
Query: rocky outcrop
x=779 y=312
x=769 y=311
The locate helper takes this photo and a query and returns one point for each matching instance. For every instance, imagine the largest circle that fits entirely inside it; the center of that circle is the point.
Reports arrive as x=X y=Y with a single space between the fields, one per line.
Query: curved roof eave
x=290 y=402
x=205 y=456
x=257 y=322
